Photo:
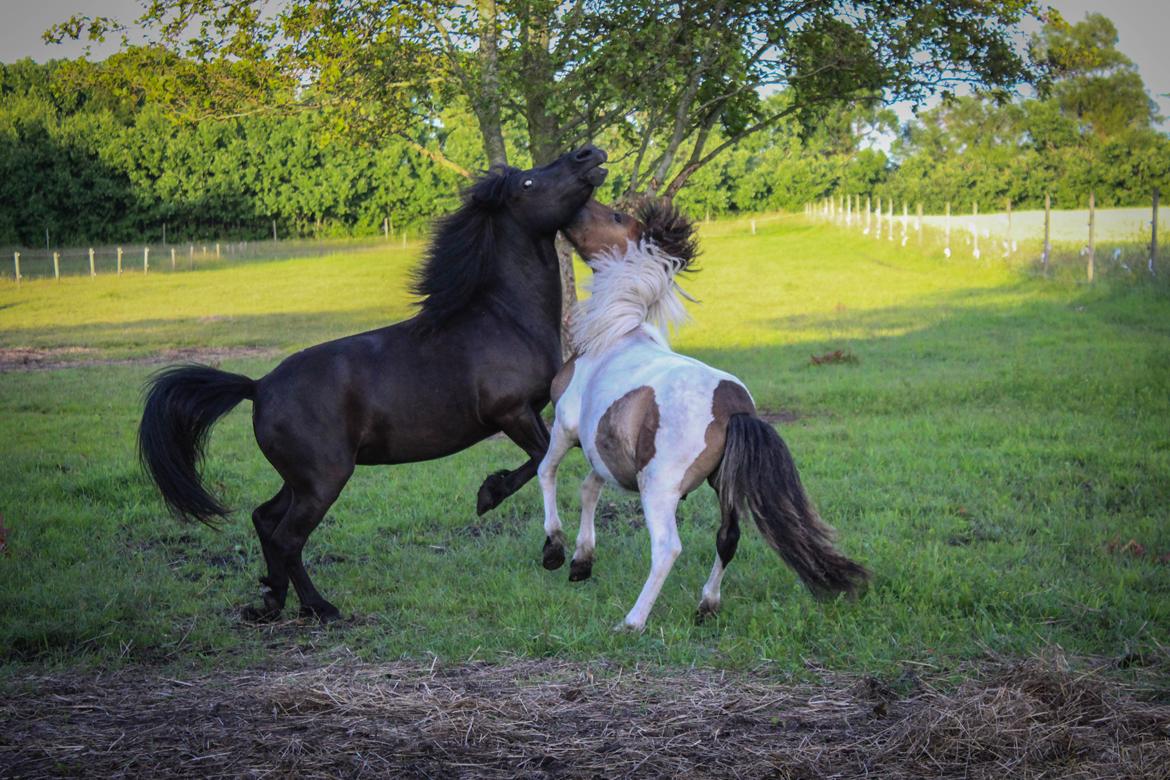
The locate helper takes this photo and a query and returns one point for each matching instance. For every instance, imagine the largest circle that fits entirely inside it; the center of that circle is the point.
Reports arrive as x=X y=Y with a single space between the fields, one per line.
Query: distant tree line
x=94 y=159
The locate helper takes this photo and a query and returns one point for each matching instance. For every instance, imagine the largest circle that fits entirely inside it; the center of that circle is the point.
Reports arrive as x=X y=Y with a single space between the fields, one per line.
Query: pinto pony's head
x=635 y=261
x=599 y=233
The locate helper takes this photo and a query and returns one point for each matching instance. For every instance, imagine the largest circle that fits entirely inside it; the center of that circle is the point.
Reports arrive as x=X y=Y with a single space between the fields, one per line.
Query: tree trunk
x=568 y=294
x=544 y=145
x=487 y=109
x=537 y=84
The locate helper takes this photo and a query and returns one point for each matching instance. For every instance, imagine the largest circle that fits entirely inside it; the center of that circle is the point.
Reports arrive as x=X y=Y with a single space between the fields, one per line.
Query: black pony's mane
x=460 y=256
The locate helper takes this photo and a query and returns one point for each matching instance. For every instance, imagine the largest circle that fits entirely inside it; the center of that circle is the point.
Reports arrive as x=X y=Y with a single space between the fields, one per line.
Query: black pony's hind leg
x=528 y=431
x=304 y=515
x=265 y=519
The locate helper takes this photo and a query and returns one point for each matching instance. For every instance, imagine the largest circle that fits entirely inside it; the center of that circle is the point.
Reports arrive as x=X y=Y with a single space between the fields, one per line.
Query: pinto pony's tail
x=758 y=474
x=182 y=403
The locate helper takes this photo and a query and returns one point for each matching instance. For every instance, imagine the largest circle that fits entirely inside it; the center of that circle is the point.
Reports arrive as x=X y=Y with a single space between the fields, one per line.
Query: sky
x=1142 y=27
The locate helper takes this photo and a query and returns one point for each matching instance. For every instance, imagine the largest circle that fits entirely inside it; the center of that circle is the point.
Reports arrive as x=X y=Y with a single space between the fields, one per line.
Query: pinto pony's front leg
x=582 y=566
x=659 y=506
x=554 y=538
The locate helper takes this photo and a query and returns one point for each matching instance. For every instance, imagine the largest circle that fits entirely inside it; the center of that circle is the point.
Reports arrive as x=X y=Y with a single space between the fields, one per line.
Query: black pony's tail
x=758 y=474
x=182 y=403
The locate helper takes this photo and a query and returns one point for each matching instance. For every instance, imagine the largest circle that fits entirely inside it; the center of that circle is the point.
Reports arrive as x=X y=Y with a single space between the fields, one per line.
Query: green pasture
x=998 y=454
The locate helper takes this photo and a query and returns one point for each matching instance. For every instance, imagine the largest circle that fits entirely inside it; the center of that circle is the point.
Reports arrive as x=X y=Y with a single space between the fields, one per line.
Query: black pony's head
x=504 y=203
x=542 y=200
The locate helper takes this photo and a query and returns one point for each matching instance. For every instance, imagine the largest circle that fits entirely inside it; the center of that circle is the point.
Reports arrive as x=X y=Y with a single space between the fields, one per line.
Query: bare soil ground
x=557 y=719
x=34 y=359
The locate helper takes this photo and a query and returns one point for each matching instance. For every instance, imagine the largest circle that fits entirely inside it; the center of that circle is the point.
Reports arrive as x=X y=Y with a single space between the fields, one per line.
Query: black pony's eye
x=527 y=183
x=617 y=217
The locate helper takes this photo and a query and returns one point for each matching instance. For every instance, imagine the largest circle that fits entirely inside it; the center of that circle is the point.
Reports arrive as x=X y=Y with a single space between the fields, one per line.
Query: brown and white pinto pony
x=651 y=420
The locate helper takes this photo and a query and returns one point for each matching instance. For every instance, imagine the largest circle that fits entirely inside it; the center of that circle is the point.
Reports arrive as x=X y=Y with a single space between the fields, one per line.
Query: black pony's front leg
x=528 y=431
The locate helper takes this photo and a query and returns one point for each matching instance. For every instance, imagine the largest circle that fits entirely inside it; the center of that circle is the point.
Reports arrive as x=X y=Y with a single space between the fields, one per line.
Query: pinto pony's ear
x=489 y=190
x=670 y=231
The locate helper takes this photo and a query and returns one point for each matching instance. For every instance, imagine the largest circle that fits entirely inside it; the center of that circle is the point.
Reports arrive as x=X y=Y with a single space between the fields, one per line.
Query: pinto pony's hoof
x=706 y=610
x=491 y=493
x=628 y=628
x=554 y=551
x=324 y=612
x=580 y=570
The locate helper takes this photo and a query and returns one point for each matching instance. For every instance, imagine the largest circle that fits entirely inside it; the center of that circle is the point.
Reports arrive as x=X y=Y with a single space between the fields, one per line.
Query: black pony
x=478 y=358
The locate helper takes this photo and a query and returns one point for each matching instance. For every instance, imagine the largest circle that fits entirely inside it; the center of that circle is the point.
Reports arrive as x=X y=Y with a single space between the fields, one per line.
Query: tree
x=667 y=76
x=1090 y=79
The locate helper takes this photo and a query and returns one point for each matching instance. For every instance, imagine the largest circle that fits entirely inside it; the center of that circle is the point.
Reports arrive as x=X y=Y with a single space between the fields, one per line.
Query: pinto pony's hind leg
x=726 y=542
x=582 y=565
x=659 y=506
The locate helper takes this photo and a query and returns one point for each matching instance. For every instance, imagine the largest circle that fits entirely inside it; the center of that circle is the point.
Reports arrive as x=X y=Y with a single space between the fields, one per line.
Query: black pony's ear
x=670 y=230
x=489 y=190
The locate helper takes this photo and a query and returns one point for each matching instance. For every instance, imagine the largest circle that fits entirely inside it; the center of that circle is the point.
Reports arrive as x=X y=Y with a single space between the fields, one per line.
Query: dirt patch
x=48 y=359
x=558 y=719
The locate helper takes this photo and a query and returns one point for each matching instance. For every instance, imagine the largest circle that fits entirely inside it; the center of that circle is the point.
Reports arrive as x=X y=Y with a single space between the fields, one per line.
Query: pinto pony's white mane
x=629 y=289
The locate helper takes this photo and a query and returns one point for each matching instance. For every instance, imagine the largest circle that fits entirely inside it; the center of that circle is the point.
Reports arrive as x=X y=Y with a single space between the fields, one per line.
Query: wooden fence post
x=753 y=227
x=57 y=266
x=947 y=231
x=217 y=250
x=172 y=258
x=119 y=261
x=1154 y=232
x=145 y=259
x=918 y=223
x=16 y=261
x=274 y=230
x=92 y=270
x=879 y=217
x=1092 y=230
x=848 y=211
x=1047 y=229
x=1010 y=248
x=890 y=220
x=905 y=219
x=974 y=229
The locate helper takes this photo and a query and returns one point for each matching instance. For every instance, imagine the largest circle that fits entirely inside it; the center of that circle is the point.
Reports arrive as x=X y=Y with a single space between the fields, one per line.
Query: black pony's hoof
x=554 y=551
x=250 y=613
x=324 y=612
x=491 y=493
x=580 y=570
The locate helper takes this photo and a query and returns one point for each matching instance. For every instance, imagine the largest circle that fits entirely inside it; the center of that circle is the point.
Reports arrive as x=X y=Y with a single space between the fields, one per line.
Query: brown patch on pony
x=625 y=435
x=561 y=381
x=729 y=398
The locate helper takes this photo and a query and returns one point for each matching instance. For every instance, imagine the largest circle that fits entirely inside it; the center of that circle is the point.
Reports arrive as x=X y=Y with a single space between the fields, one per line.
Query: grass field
x=997 y=455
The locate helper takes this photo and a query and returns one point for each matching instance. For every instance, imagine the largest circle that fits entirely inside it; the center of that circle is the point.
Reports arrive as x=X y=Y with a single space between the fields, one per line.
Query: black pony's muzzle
x=588 y=160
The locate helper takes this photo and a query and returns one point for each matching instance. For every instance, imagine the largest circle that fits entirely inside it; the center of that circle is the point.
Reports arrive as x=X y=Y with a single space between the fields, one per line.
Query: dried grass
x=560 y=719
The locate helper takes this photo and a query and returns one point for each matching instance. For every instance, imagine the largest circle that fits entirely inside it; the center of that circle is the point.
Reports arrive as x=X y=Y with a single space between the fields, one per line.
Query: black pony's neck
x=483 y=255
x=529 y=284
